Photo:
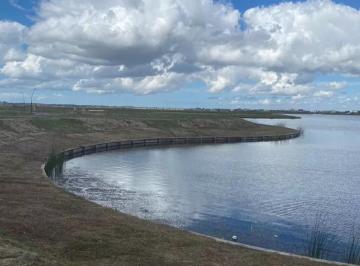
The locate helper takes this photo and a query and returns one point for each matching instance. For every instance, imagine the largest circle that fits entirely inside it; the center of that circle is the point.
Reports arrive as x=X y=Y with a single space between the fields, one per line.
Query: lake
x=269 y=194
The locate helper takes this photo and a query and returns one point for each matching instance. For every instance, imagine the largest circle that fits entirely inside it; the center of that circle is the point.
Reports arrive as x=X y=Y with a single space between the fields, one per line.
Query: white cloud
x=12 y=35
x=147 y=46
x=265 y=101
x=335 y=85
x=145 y=85
x=316 y=35
x=127 y=32
x=298 y=97
x=325 y=94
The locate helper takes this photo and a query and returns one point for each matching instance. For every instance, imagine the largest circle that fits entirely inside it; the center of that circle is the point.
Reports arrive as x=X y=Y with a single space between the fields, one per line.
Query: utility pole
x=31 y=100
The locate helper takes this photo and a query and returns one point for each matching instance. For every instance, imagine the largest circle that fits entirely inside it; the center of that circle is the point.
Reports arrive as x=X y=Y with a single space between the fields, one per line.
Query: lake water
x=268 y=194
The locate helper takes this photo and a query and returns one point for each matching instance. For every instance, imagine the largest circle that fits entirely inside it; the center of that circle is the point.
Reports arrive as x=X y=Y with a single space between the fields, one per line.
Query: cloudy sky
x=182 y=53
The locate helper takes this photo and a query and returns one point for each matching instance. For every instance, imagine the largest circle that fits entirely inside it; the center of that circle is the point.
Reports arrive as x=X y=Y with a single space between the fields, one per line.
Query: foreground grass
x=41 y=224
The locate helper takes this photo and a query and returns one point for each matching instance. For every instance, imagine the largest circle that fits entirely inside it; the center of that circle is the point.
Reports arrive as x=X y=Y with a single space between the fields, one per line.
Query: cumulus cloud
x=148 y=46
x=12 y=36
x=146 y=85
x=113 y=32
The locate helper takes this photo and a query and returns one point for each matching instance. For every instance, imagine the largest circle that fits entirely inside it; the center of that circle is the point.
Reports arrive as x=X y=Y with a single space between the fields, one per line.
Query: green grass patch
x=188 y=114
x=60 y=124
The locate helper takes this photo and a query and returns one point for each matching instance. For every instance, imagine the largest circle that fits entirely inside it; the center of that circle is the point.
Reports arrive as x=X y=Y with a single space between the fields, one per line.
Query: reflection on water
x=266 y=193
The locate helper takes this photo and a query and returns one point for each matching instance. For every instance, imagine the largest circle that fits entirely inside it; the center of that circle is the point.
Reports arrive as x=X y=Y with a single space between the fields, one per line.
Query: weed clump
x=55 y=163
x=352 y=255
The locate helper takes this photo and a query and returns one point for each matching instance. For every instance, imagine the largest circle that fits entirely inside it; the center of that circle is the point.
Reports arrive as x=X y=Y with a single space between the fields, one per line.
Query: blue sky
x=224 y=81
x=22 y=13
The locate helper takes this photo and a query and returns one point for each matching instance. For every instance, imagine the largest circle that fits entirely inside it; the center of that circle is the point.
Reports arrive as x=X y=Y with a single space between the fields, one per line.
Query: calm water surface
x=268 y=194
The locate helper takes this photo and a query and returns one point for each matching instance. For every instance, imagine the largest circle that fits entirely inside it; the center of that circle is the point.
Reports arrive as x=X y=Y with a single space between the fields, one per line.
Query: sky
x=260 y=54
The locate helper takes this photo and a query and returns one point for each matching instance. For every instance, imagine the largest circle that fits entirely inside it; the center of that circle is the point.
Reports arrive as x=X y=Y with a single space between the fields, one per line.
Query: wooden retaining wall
x=137 y=143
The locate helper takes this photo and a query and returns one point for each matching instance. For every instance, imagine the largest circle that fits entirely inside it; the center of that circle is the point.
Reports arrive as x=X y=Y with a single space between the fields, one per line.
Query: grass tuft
x=54 y=164
x=319 y=240
x=352 y=255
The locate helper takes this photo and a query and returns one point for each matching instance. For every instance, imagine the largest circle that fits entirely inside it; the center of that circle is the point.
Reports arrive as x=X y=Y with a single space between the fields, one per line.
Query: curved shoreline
x=158 y=142
x=154 y=142
x=60 y=228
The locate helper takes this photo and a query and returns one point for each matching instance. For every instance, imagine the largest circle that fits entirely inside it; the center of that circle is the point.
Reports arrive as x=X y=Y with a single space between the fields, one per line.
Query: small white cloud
x=265 y=101
x=335 y=85
x=298 y=97
x=325 y=94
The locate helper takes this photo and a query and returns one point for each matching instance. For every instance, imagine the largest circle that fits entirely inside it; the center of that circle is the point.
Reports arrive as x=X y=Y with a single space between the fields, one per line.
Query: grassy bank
x=41 y=224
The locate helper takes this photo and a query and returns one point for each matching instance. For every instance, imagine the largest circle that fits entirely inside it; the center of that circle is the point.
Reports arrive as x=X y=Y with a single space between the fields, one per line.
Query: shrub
x=54 y=164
